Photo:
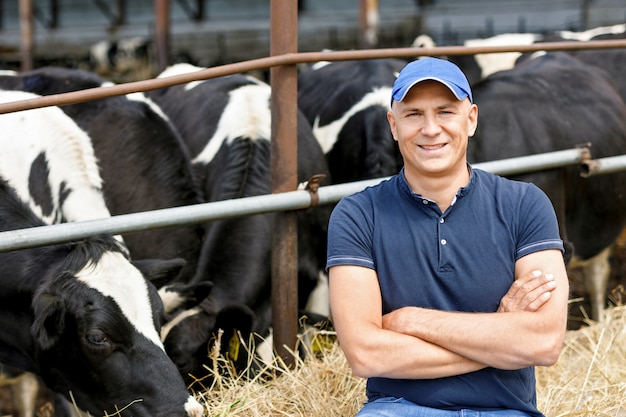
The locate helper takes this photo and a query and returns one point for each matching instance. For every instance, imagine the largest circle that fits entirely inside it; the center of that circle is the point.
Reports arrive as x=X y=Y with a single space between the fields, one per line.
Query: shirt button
x=443 y=241
x=425 y=201
x=441 y=220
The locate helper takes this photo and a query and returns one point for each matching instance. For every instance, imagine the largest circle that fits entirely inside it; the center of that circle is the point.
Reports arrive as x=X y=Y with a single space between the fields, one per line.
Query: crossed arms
x=413 y=342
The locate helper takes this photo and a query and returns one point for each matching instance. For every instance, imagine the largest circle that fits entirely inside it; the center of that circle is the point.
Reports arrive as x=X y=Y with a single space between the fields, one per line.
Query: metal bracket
x=313 y=184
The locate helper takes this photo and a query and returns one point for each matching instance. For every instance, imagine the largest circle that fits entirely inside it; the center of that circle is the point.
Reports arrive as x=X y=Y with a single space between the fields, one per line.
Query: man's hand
x=528 y=293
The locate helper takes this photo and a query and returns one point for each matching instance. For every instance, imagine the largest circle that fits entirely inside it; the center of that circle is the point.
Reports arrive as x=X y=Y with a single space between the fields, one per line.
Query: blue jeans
x=399 y=407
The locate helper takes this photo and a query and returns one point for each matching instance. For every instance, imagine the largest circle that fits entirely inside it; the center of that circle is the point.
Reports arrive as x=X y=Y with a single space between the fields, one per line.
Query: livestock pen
x=283 y=148
x=282 y=63
x=287 y=60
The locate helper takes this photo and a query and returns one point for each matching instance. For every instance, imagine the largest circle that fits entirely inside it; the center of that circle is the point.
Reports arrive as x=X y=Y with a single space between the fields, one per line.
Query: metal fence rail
x=606 y=165
x=292 y=200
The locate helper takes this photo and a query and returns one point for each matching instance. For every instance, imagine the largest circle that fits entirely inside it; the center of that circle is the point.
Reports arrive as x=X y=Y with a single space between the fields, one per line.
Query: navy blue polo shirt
x=459 y=260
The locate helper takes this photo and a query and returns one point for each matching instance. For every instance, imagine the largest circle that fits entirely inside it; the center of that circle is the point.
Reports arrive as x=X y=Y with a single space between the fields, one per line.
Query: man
x=447 y=283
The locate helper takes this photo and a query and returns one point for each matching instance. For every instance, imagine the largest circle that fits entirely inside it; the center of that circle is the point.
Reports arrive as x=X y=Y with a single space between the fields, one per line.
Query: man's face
x=432 y=128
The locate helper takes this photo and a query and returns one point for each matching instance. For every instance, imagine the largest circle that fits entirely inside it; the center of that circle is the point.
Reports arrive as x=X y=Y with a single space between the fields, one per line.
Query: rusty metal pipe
x=292 y=59
x=161 y=32
x=369 y=21
x=284 y=168
x=27 y=30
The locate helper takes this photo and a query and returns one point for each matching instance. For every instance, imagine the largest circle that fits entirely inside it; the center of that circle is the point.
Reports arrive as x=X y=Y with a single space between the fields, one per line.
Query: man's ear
x=473 y=120
x=49 y=320
x=392 y=125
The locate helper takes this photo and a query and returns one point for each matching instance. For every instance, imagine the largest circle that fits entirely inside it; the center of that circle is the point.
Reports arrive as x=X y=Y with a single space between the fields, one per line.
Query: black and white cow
x=143 y=163
x=123 y=60
x=612 y=61
x=479 y=66
x=597 y=33
x=86 y=319
x=226 y=124
x=346 y=103
x=554 y=102
x=50 y=163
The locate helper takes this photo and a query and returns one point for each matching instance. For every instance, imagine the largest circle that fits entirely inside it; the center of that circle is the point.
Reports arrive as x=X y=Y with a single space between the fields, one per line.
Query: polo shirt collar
x=406 y=188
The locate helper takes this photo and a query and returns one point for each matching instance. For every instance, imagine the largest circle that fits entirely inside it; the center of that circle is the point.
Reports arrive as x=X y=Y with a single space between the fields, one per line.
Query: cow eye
x=97 y=337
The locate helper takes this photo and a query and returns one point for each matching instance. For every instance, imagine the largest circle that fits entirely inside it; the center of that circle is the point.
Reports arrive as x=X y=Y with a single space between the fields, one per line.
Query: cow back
x=226 y=124
x=143 y=163
x=552 y=103
x=346 y=103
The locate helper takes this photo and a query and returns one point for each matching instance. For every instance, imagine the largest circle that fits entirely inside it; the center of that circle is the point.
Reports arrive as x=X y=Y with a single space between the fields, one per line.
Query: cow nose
x=193 y=408
x=182 y=365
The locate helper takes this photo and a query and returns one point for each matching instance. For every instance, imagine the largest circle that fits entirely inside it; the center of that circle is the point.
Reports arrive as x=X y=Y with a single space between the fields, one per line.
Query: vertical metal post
x=162 y=32
x=284 y=82
x=584 y=14
x=368 y=23
x=121 y=12
x=27 y=30
x=54 y=14
x=200 y=11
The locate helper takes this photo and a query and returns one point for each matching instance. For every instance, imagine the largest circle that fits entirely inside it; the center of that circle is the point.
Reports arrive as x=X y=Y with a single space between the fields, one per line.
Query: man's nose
x=431 y=126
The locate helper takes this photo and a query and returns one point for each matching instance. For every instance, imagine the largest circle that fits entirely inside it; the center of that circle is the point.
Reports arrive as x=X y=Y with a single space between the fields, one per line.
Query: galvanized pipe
x=531 y=163
x=606 y=165
x=135 y=222
x=292 y=59
x=176 y=216
x=292 y=200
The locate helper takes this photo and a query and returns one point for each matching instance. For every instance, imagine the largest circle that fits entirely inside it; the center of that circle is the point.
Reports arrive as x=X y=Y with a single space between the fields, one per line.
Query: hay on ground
x=588 y=380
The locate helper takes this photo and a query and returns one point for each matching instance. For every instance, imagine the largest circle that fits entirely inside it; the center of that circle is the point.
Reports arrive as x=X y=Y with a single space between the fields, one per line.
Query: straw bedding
x=588 y=380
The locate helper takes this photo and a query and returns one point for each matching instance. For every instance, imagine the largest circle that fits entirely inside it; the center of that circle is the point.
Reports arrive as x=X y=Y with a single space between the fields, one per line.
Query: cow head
x=191 y=336
x=95 y=330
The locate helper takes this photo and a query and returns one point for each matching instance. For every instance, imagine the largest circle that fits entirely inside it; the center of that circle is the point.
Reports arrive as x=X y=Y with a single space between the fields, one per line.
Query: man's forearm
x=391 y=354
x=501 y=340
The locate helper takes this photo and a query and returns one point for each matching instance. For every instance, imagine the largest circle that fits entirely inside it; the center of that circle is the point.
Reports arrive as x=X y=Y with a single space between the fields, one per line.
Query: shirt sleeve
x=350 y=235
x=540 y=229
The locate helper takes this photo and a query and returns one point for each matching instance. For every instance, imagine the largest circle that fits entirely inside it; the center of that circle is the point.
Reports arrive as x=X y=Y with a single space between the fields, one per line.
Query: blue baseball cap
x=435 y=69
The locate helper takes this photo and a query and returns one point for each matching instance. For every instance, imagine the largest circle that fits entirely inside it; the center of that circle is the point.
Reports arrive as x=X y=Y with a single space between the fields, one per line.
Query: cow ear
x=160 y=271
x=49 y=319
x=184 y=296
